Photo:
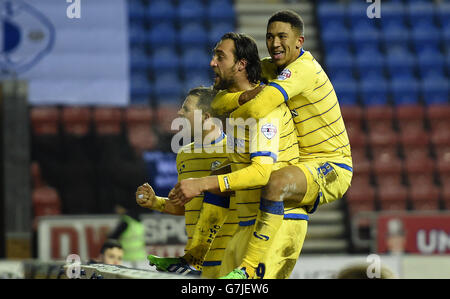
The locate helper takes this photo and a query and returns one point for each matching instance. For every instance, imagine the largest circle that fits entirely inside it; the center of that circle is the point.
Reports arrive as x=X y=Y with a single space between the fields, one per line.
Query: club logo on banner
x=26 y=34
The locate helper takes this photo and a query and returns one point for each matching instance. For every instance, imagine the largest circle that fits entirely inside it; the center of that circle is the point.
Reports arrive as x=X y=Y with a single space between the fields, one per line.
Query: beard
x=223 y=84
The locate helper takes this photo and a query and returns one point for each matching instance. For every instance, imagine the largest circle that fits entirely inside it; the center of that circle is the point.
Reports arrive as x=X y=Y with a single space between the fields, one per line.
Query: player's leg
x=287 y=183
x=280 y=259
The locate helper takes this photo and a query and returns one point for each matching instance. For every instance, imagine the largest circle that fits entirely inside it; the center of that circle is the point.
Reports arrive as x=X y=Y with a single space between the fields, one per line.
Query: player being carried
x=270 y=235
x=293 y=76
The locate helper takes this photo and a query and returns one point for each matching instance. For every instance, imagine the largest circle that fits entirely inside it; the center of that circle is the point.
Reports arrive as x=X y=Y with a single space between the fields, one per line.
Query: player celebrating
x=193 y=161
x=324 y=171
x=265 y=244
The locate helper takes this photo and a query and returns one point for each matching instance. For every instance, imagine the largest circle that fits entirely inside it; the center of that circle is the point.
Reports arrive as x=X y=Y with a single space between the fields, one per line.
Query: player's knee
x=274 y=188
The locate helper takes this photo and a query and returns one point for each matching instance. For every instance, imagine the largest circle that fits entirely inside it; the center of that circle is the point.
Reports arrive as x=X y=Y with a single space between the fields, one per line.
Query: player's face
x=113 y=256
x=283 y=43
x=187 y=110
x=223 y=63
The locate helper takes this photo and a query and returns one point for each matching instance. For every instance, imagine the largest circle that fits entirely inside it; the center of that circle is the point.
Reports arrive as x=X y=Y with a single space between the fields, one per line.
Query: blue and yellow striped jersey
x=194 y=164
x=256 y=150
x=310 y=96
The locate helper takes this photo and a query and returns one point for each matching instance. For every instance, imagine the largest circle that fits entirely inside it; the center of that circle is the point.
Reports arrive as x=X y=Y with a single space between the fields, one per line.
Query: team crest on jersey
x=285 y=74
x=215 y=165
x=269 y=130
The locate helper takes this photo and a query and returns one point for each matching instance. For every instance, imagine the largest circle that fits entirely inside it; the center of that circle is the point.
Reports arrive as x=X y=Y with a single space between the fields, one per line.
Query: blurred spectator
x=130 y=234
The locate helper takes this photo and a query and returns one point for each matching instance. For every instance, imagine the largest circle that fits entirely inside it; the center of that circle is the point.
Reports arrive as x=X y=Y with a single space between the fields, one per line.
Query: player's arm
x=146 y=198
x=257 y=174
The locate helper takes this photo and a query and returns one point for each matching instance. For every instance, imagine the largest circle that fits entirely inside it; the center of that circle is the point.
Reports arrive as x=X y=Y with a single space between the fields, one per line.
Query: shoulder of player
x=303 y=65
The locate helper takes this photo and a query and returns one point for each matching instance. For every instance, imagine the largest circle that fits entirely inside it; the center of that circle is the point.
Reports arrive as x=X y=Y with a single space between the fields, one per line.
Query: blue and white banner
x=72 y=52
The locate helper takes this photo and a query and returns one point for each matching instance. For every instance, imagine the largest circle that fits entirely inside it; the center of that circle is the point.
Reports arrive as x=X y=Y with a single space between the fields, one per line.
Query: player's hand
x=145 y=196
x=250 y=94
x=184 y=191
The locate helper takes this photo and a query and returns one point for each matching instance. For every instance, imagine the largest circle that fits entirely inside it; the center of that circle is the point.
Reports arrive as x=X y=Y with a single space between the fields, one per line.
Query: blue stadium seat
x=190 y=10
x=339 y=60
x=422 y=12
x=161 y=10
x=162 y=34
x=405 y=91
x=193 y=35
x=346 y=90
x=365 y=36
x=139 y=60
x=357 y=13
x=425 y=35
x=137 y=35
x=140 y=86
x=331 y=39
x=393 y=14
x=445 y=37
x=370 y=59
x=195 y=59
x=395 y=35
x=331 y=13
x=136 y=9
x=217 y=30
x=430 y=62
x=167 y=87
x=400 y=63
x=198 y=79
x=374 y=91
x=435 y=90
x=165 y=60
x=220 y=11
x=443 y=13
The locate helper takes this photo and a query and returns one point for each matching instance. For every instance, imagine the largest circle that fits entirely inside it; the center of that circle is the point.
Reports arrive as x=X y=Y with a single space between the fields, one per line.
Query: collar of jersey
x=219 y=139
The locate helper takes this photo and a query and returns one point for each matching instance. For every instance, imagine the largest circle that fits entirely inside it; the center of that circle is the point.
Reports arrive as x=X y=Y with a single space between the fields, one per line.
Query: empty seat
x=395 y=35
x=435 y=90
x=162 y=34
x=383 y=143
x=399 y=62
x=161 y=10
x=339 y=60
x=443 y=167
x=220 y=11
x=346 y=91
x=142 y=138
x=422 y=12
x=374 y=91
x=137 y=35
x=165 y=114
x=44 y=120
x=425 y=36
x=136 y=9
x=394 y=14
x=331 y=13
x=438 y=116
x=140 y=86
x=424 y=196
x=139 y=59
x=388 y=169
x=194 y=60
x=108 y=120
x=136 y=116
x=405 y=91
x=410 y=117
x=392 y=196
x=369 y=59
x=430 y=62
x=443 y=13
x=379 y=117
x=330 y=39
x=360 y=198
x=190 y=10
x=419 y=170
x=193 y=35
x=361 y=163
x=164 y=60
x=76 y=120
x=365 y=36
x=358 y=138
x=168 y=88
x=415 y=144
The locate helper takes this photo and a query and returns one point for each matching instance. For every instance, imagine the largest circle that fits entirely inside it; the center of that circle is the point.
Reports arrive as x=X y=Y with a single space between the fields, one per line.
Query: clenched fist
x=145 y=196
